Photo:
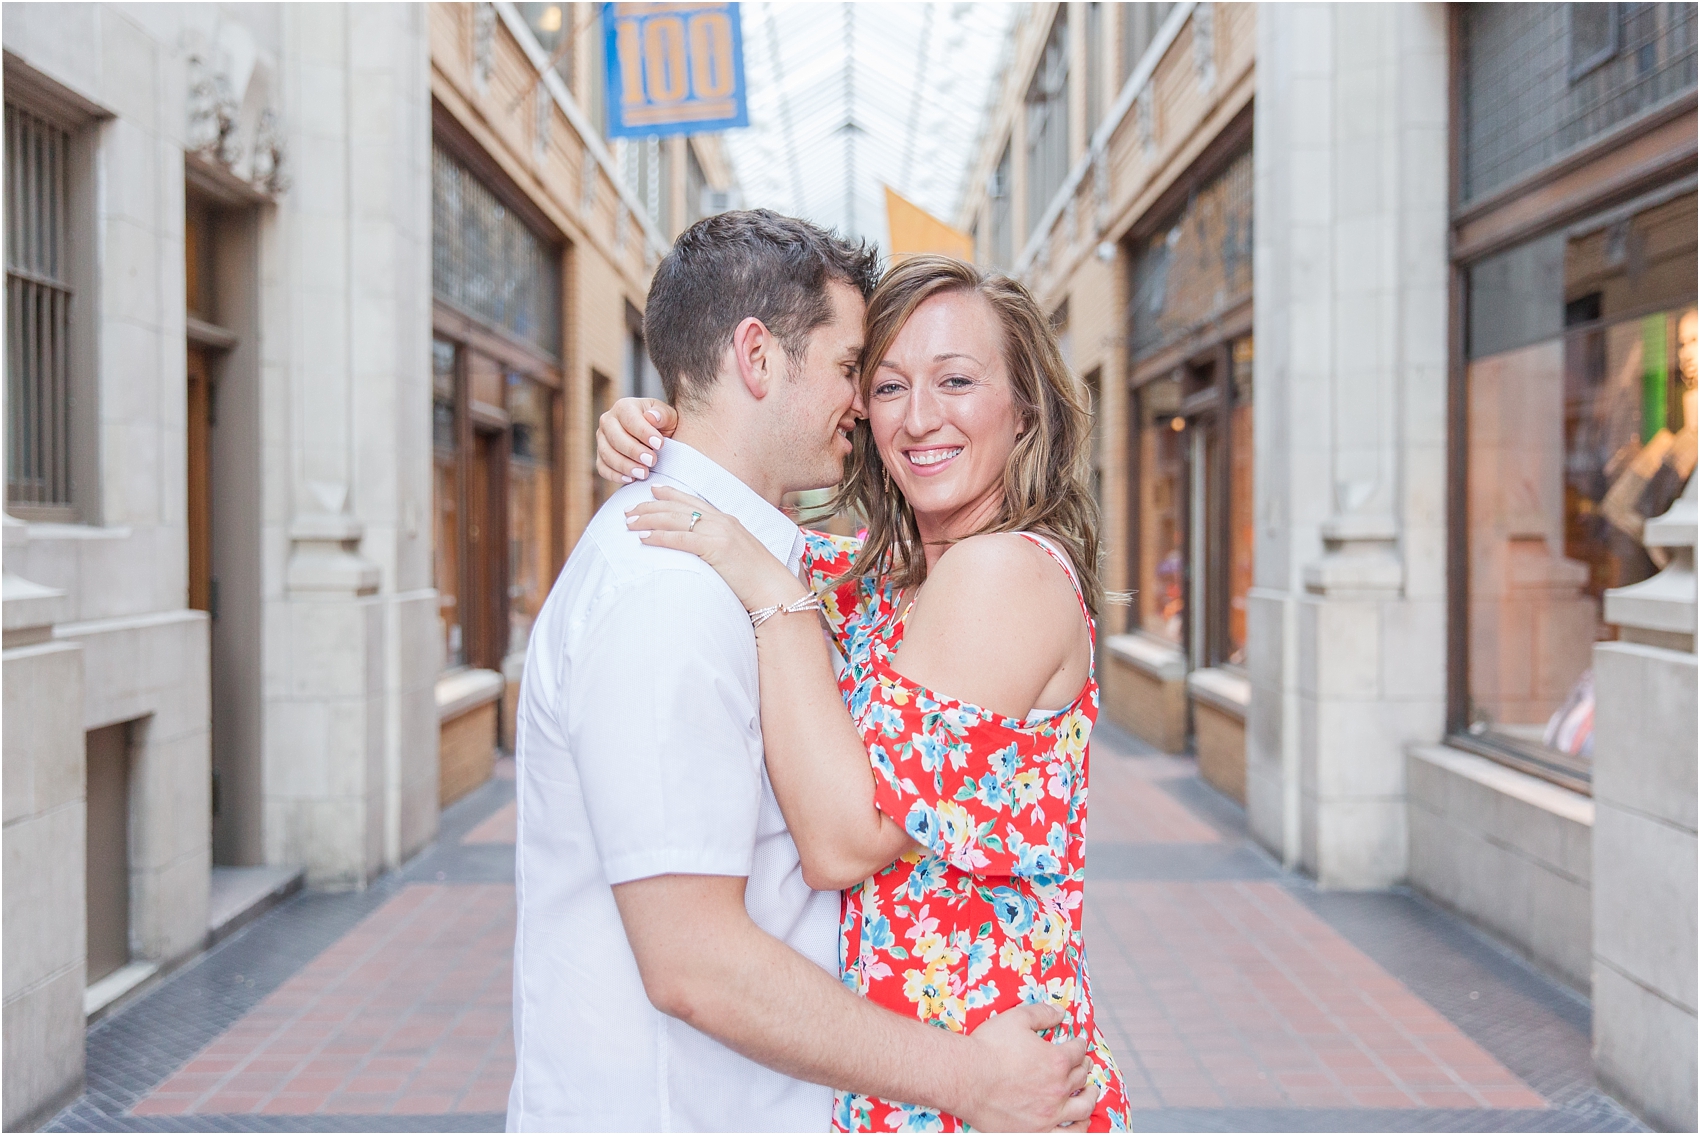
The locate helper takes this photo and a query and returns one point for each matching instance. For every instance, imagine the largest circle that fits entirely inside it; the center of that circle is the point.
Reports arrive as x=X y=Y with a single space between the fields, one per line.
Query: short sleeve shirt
x=639 y=754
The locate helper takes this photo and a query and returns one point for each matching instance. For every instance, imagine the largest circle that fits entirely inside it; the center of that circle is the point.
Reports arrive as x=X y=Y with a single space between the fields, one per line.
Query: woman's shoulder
x=1011 y=564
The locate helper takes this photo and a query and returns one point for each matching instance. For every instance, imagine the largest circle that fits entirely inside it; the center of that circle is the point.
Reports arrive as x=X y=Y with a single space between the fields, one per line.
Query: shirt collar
x=699 y=475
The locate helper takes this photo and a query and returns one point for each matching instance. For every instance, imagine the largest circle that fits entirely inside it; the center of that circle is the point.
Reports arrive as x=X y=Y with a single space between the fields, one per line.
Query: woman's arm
x=816 y=760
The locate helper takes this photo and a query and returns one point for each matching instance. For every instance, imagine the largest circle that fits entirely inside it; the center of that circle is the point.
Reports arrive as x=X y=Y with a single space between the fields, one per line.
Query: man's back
x=639 y=754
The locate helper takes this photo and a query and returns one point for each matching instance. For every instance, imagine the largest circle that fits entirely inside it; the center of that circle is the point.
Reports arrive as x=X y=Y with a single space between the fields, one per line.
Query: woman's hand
x=749 y=569
x=629 y=436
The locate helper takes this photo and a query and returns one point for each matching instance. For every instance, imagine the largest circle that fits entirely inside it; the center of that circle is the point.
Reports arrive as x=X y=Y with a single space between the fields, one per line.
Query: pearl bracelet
x=809 y=602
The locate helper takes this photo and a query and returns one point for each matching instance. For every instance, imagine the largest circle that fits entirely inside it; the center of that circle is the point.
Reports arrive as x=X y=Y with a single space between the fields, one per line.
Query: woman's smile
x=928 y=461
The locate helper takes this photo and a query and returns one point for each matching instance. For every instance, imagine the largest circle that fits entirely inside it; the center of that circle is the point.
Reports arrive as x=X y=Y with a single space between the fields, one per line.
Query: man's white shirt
x=639 y=753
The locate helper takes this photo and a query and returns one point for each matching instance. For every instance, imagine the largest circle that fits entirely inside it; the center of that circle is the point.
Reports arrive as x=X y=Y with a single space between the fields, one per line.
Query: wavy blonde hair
x=1046 y=486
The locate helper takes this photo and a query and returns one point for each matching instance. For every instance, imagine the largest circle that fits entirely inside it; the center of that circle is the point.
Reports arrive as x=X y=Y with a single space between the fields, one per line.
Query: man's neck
x=725 y=445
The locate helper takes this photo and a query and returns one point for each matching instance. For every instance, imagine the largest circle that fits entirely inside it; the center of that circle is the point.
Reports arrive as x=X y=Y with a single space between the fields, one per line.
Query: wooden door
x=486 y=601
x=200 y=497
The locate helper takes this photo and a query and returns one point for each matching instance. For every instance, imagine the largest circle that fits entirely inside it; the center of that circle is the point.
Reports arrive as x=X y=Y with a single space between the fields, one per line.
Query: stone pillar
x=350 y=721
x=45 y=812
x=1347 y=621
x=1644 y=835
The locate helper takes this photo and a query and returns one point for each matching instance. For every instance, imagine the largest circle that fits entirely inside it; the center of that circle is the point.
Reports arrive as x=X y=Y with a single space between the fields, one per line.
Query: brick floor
x=1235 y=995
x=409 y=1012
x=501 y=827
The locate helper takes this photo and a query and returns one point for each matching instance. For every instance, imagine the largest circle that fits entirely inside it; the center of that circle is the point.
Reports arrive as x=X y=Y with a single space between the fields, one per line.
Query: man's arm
x=704 y=962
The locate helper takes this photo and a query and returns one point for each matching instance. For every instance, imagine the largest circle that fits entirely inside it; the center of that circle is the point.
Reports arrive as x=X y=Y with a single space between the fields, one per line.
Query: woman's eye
x=958 y=382
x=887 y=389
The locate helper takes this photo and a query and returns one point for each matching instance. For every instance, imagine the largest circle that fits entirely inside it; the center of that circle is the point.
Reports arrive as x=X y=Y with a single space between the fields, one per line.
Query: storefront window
x=445 y=493
x=1161 y=602
x=552 y=24
x=531 y=512
x=1241 y=525
x=1196 y=266
x=1542 y=80
x=487 y=263
x=1581 y=424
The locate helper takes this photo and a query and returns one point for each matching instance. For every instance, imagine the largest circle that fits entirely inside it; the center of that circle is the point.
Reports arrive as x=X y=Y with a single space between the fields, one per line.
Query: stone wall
x=1346 y=623
x=1510 y=852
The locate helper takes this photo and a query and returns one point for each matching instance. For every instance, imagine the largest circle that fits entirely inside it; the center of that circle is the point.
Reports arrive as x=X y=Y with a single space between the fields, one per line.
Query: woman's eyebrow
x=956 y=355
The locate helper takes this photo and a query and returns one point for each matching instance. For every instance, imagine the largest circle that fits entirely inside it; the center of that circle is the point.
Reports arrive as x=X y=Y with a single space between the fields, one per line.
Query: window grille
x=696 y=184
x=1139 y=27
x=38 y=312
x=1196 y=267
x=649 y=165
x=1094 y=66
x=1047 y=124
x=486 y=262
x=1539 y=80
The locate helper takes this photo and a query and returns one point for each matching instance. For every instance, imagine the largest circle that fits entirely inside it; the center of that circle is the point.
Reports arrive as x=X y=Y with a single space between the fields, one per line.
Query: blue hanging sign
x=674 y=69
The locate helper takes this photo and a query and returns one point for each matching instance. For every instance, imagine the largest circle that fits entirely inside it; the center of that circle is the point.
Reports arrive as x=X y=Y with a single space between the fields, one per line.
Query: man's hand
x=1022 y=1082
x=705 y=963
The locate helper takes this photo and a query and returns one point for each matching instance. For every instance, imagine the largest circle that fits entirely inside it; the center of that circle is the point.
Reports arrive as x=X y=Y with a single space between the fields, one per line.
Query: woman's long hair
x=1046 y=486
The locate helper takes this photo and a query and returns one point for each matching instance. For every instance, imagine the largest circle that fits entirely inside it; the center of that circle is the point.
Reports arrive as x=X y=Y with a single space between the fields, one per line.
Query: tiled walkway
x=1235 y=995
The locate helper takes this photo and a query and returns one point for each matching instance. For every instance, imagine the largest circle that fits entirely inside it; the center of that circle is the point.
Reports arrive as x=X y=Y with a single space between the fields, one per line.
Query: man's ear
x=755 y=352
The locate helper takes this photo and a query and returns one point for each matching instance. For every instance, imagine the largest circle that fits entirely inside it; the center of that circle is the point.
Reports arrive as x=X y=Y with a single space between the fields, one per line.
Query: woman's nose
x=923 y=415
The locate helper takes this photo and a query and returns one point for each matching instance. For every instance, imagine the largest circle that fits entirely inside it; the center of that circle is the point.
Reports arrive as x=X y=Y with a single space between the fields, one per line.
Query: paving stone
x=1236 y=996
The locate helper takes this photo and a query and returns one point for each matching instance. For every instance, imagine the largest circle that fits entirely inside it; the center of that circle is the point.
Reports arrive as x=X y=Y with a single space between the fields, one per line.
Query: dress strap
x=1056 y=554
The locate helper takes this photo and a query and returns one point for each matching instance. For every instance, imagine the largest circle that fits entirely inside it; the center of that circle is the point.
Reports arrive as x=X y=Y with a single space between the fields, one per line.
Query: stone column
x=45 y=813
x=1644 y=835
x=1347 y=621
x=350 y=733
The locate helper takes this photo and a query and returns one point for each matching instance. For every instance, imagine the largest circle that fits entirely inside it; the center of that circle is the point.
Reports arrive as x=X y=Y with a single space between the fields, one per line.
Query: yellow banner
x=914 y=231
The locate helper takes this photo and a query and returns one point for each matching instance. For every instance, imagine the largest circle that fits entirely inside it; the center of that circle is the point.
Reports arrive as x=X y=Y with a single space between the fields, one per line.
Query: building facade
x=1388 y=313
x=310 y=310
x=545 y=235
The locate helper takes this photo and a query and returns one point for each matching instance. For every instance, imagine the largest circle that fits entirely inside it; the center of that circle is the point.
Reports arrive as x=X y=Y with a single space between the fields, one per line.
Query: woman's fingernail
x=638 y=473
x=630 y=520
x=655 y=443
x=643 y=535
x=625 y=480
x=653 y=415
x=647 y=459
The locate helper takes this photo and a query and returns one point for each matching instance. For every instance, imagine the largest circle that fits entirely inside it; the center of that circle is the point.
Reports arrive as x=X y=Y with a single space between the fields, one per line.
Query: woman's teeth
x=933 y=456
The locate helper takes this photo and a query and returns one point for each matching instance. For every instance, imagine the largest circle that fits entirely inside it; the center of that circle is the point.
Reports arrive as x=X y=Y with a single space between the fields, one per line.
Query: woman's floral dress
x=989 y=916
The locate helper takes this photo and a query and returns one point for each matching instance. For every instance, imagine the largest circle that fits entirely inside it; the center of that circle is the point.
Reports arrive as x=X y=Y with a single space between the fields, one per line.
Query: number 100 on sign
x=674 y=69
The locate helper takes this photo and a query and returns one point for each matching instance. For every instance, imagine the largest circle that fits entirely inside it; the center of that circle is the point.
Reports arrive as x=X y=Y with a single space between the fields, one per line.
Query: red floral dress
x=989 y=915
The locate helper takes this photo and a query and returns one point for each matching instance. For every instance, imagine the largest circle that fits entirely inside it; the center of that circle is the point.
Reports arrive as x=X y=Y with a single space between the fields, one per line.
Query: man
x=671 y=968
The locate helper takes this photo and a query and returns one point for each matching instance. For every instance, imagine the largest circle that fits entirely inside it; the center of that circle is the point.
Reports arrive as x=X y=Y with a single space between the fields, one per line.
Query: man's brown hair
x=731 y=266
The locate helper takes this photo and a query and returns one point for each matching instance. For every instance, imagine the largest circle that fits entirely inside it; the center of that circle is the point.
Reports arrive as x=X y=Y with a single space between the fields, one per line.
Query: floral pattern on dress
x=988 y=916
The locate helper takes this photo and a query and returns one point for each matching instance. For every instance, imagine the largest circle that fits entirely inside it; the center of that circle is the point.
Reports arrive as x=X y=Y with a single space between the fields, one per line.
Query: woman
x=951 y=799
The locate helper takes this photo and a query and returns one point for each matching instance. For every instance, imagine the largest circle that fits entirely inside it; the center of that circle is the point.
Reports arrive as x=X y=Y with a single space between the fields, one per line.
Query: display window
x=446 y=498
x=1161 y=600
x=1242 y=531
x=1581 y=424
x=531 y=505
x=1195 y=529
x=1189 y=311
